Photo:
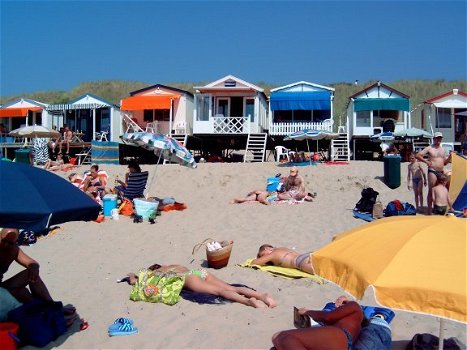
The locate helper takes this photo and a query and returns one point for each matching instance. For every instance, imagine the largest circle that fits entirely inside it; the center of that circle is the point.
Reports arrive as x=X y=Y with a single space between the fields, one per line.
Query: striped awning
x=58 y=108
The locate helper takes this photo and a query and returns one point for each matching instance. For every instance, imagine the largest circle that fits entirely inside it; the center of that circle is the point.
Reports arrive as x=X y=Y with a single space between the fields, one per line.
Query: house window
x=443 y=119
x=363 y=118
x=148 y=115
x=162 y=115
x=250 y=108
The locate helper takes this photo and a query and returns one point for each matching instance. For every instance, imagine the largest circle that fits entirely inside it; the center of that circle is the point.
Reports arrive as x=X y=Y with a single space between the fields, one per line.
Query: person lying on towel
x=201 y=281
x=284 y=257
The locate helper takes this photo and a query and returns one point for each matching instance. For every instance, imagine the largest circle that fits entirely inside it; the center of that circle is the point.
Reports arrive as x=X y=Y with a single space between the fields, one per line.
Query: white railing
x=231 y=125
x=289 y=128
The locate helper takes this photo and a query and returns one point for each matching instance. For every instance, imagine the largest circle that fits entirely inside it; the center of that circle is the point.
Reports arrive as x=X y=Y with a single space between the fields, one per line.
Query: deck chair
x=136 y=186
x=84 y=157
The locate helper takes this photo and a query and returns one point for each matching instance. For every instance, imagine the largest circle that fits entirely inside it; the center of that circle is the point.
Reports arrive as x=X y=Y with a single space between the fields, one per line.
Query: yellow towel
x=283 y=272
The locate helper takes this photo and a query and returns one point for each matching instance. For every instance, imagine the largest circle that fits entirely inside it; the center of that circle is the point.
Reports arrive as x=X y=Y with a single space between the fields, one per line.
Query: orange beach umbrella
x=414 y=263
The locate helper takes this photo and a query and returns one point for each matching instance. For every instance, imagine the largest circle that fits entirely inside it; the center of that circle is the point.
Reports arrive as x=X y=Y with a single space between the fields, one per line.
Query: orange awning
x=147 y=102
x=17 y=112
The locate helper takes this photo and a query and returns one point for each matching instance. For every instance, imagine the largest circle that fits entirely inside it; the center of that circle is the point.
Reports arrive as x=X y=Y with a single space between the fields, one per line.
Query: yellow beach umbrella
x=414 y=263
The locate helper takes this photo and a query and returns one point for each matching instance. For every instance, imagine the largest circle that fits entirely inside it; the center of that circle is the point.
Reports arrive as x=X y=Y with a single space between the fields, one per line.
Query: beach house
x=22 y=112
x=446 y=113
x=299 y=106
x=375 y=109
x=229 y=112
x=89 y=117
x=160 y=109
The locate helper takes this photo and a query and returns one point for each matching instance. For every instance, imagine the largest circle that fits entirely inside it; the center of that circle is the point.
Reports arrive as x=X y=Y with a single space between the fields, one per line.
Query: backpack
x=397 y=207
x=365 y=204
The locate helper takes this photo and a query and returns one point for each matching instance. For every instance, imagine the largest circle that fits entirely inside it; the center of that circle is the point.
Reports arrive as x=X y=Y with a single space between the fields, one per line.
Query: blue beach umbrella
x=164 y=146
x=35 y=199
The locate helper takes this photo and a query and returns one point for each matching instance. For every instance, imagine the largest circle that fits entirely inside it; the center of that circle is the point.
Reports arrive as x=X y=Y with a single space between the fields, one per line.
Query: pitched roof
x=162 y=87
x=371 y=87
x=446 y=94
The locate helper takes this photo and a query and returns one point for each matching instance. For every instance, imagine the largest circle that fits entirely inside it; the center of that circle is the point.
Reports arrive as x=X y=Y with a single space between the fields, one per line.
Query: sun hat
x=438 y=134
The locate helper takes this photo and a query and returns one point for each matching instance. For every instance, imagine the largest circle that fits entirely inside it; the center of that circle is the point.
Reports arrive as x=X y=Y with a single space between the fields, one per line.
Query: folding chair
x=136 y=186
x=84 y=157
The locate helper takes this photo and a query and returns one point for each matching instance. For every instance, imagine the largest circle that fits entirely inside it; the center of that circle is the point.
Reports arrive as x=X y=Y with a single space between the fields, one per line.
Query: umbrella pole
x=155 y=171
x=308 y=148
x=441 y=333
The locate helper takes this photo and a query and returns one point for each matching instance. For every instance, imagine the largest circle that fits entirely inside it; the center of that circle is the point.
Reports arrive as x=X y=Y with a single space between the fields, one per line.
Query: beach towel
x=174 y=206
x=283 y=272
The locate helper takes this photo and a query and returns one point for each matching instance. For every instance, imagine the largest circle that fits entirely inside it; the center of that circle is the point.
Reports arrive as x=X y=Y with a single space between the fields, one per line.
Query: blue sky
x=56 y=45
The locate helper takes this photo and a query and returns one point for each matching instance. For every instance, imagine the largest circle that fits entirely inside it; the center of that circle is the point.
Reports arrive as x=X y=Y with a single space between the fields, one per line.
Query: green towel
x=283 y=272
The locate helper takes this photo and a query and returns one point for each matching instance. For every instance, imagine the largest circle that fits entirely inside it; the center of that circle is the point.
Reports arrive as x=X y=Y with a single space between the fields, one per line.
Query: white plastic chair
x=281 y=152
x=101 y=136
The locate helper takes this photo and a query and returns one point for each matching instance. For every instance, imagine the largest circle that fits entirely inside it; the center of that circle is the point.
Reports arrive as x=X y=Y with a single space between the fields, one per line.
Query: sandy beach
x=81 y=262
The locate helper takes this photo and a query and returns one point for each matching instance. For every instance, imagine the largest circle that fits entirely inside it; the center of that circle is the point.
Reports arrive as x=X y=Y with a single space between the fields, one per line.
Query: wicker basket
x=219 y=258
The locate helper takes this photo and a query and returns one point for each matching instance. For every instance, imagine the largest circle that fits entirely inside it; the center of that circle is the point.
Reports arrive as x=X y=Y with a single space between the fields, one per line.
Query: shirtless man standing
x=284 y=257
x=436 y=162
x=294 y=186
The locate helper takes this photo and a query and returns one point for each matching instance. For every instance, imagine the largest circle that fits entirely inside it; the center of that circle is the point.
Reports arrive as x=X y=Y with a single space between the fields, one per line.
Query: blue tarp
x=293 y=101
x=35 y=199
x=460 y=203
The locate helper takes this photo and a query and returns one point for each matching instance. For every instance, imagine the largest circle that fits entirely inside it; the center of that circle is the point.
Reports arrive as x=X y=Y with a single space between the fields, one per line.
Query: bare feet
x=69 y=310
x=269 y=301
x=257 y=303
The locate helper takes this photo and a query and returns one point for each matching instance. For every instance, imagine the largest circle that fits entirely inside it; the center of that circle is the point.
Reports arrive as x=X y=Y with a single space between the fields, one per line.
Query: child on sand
x=415 y=173
x=441 y=200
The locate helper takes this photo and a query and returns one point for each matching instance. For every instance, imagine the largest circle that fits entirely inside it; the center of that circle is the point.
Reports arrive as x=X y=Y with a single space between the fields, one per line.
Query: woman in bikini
x=341 y=328
x=253 y=196
x=201 y=281
x=284 y=257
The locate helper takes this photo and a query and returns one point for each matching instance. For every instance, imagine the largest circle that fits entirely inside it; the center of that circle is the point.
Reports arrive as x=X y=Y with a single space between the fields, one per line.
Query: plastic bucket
x=110 y=202
x=7 y=341
x=115 y=214
x=272 y=184
x=145 y=208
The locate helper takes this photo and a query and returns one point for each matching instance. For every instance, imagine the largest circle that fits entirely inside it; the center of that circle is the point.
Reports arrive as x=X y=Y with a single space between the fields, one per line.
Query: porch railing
x=289 y=128
x=231 y=125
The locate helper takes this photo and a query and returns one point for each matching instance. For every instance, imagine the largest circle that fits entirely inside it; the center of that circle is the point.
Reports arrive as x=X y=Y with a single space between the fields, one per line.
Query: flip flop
x=122 y=329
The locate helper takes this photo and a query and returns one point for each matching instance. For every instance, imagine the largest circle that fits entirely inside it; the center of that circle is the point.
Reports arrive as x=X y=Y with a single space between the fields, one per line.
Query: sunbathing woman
x=341 y=328
x=285 y=257
x=201 y=281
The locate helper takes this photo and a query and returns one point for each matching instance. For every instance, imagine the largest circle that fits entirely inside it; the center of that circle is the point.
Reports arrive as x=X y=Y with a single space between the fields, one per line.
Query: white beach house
x=446 y=113
x=299 y=106
x=89 y=116
x=230 y=106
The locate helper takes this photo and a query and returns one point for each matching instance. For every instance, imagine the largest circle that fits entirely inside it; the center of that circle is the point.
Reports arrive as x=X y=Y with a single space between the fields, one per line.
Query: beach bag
x=397 y=207
x=366 y=202
x=126 y=208
x=158 y=287
x=146 y=208
x=40 y=322
x=217 y=259
x=378 y=210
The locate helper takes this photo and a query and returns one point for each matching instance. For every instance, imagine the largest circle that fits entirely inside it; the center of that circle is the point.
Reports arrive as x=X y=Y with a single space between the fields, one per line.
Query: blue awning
x=293 y=101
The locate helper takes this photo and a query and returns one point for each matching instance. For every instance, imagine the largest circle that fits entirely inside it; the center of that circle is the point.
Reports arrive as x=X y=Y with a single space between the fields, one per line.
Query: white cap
x=438 y=134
